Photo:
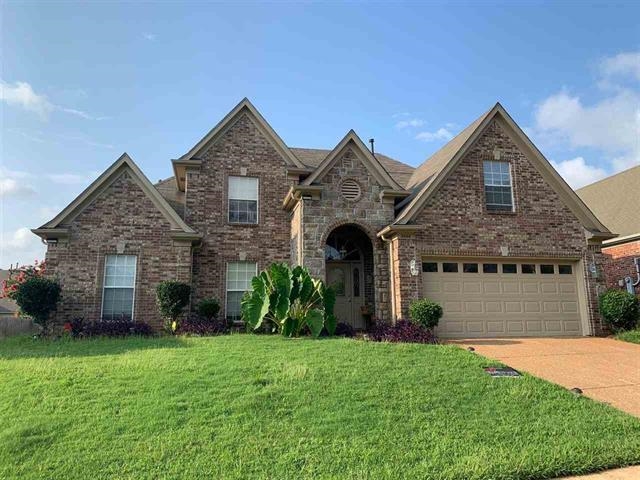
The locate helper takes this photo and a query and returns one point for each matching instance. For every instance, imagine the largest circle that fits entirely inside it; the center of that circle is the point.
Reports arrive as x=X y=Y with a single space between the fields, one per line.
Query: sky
x=82 y=82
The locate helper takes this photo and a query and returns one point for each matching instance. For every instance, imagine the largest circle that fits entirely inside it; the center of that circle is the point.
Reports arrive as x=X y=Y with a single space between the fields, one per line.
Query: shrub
x=344 y=330
x=402 y=331
x=208 y=308
x=290 y=300
x=19 y=275
x=172 y=297
x=37 y=298
x=619 y=309
x=201 y=327
x=425 y=313
x=78 y=328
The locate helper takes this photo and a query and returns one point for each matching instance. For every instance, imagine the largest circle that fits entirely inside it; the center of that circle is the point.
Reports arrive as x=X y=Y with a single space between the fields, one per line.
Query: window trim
x=229 y=222
x=485 y=185
x=226 y=283
x=104 y=282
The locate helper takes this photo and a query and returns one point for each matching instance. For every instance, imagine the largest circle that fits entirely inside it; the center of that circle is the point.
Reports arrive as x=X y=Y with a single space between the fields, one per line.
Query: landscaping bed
x=261 y=406
x=632 y=336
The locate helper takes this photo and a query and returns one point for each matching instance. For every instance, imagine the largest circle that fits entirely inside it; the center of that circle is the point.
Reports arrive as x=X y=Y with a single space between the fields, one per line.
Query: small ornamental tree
x=37 y=298
x=208 y=308
x=18 y=276
x=425 y=313
x=619 y=309
x=172 y=297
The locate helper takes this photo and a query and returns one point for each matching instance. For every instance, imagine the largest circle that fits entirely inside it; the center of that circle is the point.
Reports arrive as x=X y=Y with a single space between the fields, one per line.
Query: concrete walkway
x=605 y=369
x=629 y=473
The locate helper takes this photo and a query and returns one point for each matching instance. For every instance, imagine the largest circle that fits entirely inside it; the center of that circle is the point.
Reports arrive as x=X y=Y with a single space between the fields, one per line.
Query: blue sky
x=83 y=82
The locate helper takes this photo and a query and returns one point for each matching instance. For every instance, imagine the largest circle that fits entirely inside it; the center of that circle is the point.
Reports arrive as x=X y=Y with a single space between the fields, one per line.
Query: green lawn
x=632 y=336
x=258 y=407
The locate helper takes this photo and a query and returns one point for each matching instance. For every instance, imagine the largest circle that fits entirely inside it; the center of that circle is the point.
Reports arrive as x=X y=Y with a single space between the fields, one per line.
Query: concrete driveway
x=604 y=369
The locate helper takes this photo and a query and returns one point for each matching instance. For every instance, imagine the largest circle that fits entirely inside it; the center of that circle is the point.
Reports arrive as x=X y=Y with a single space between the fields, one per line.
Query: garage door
x=493 y=298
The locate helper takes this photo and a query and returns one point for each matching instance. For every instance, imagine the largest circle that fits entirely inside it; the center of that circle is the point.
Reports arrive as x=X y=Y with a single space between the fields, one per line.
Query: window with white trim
x=118 y=287
x=243 y=200
x=239 y=275
x=498 y=191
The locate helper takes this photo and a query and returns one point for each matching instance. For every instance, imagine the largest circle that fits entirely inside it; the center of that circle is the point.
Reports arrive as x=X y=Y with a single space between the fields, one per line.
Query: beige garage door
x=494 y=298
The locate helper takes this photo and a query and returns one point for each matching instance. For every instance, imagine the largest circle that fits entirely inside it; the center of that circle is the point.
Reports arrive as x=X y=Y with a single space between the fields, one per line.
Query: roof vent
x=350 y=190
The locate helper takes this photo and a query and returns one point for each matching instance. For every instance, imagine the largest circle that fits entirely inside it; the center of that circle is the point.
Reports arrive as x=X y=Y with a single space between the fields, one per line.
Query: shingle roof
x=615 y=200
x=312 y=157
x=173 y=196
x=436 y=162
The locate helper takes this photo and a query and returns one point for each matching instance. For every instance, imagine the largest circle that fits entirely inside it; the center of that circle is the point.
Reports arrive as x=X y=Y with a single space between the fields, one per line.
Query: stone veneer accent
x=457 y=222
x=122 y=219
x=368 y=212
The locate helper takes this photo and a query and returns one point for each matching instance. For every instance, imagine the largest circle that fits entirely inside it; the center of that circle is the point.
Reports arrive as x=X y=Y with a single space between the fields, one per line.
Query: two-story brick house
x=485 y=226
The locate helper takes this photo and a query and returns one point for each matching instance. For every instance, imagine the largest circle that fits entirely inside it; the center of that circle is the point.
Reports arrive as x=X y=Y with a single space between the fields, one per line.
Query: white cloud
x=20 y=246
x=413 y=122
x=440 y=134
x=14 y=184
x=622 y=64
x=150 y=36
x=578 y=173
x=21 y=94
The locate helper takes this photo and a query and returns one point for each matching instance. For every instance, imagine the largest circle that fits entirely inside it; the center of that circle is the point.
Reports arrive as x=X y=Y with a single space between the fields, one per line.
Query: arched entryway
x=349 y=270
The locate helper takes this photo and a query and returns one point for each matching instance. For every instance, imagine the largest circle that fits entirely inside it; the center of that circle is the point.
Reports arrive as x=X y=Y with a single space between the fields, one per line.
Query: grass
x=632 y=336
x=265 y=407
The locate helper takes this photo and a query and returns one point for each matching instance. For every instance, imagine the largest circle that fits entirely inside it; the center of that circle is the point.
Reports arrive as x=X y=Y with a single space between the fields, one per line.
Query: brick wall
x=242 y=146
x=458 y=223
x=619 y=262
x=122 y=219
x=369 y=213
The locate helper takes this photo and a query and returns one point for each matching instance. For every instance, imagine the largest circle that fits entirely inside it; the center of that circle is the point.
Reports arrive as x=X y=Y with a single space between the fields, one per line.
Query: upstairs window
x=243 y=200
x=119 y=287
x=498 y=192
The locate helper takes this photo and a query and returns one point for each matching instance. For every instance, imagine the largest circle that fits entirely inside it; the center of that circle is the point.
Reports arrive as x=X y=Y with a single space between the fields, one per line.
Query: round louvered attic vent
x=350 y=190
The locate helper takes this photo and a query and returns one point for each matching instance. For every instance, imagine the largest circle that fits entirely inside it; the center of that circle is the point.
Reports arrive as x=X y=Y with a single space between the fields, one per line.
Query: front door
x=346 y=279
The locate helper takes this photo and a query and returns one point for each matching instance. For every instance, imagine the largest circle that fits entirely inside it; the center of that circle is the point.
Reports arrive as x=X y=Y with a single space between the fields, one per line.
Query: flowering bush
x=18 y=276
x=403 y=331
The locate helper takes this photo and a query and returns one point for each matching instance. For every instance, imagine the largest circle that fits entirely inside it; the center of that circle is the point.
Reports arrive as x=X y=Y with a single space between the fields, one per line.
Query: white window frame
x=257 y=200
x=485 y=184
x=104 y=283
x=226 y=284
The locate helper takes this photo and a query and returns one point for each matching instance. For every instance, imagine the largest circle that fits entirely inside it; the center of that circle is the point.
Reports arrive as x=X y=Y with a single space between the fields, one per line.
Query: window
x=497 y=186
x=528 y=268
x=470 y=267
x=490 y=268
x=547 y=269
x=119 y=287
x=509 y=268
x=450 y=267
x=239 y=275
x=243 y=200
x=429 y=267
x=565 y=269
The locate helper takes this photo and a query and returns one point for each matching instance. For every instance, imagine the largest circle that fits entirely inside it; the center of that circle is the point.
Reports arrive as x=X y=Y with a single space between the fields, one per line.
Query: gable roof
x=434 y=171
x=369 y=160
x=124 y=163
x=245 y=106
x=312 y=157
x=616 y=201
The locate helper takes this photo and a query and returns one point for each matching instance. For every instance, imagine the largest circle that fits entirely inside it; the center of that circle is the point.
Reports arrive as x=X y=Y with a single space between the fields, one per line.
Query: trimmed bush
x=344 y=330
x=172 y=297
x=78 y=328
x=208 y=308
x=37 y=297
x=403 y=331
x=425 y=313
x=201 y=327
x=619 y=309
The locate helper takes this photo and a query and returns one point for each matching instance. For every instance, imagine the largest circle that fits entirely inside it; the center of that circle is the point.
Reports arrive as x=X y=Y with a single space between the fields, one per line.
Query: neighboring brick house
x=485 y=226
x=616 y=201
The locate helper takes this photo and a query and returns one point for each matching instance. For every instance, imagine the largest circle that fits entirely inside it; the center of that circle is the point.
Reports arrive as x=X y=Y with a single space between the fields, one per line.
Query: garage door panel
x=478 y=304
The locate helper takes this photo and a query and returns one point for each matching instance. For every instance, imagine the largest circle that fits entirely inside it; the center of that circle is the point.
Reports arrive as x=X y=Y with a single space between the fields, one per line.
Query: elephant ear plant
x=291 y=300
